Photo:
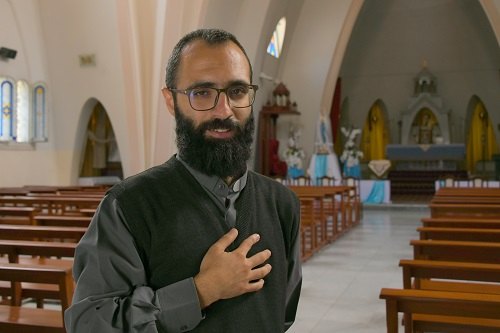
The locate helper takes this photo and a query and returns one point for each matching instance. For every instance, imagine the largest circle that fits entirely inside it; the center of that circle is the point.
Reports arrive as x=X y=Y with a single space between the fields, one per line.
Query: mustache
x=218 y=124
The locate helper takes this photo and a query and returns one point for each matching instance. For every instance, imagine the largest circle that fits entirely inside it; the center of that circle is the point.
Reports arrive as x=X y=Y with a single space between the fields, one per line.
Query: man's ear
x=169 y=100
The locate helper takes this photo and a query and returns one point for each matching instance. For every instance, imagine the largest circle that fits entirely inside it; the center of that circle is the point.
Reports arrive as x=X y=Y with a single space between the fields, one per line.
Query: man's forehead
x=218 y=63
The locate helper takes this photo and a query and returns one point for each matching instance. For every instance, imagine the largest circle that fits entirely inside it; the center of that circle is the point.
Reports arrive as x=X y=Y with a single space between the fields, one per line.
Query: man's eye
x=237 y=91
x=202 y=92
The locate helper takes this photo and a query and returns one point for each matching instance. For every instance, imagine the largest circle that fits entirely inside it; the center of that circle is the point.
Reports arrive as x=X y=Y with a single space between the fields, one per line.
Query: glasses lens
x=204 y=99
x=240 y=96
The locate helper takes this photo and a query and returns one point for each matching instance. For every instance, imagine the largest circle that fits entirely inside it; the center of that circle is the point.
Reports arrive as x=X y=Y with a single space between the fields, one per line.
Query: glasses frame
x=187 y=92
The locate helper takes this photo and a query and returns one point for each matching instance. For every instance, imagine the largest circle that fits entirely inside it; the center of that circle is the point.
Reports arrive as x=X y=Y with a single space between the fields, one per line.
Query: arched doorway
x=481 y=142
x=101 y=156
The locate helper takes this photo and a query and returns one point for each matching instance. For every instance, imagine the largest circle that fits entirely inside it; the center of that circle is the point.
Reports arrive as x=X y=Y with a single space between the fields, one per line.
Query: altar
x=426 y=157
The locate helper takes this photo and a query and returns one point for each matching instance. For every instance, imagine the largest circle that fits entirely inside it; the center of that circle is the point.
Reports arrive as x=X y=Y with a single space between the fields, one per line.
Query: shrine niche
x=270 y=162
x=425 y=132
x=425 y=121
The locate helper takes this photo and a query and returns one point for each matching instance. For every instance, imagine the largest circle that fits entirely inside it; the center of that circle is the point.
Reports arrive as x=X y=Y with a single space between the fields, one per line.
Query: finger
x=255 y=285
x=259 y=258
x=247 y=244
x=260 y=273
x=226 y=240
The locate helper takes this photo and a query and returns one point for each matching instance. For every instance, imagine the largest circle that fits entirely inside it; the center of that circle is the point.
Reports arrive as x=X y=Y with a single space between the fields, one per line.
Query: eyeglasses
x=205 y=99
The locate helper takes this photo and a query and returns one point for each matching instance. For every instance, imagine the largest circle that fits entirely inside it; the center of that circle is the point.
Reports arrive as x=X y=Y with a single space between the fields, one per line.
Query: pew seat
x=16 y=318
x=460 y=311
x=460 y=234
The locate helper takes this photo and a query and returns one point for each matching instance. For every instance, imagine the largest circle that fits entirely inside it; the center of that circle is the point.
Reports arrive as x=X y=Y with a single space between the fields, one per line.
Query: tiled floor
x=341 y=284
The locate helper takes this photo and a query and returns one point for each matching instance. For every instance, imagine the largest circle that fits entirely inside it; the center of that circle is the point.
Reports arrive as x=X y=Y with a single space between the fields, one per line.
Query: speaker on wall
x=7 y=53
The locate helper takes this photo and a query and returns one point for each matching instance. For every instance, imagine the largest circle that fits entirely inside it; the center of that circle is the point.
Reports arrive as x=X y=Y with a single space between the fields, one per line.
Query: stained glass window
x=39 y=113
x=7 y=105
x=276 y=44
x=22 y=111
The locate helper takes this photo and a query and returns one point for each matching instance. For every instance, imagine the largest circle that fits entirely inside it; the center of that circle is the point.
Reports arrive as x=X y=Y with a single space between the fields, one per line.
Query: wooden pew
x=451 y=276
x=481 y=252
x=440 y=311
x=312 y=212
x=465 y=200
x=15 y=318
x=490 y=211
x=460 y=234
x=455 y=222
x=52 y=204
x=15 y=248
x=18 y=215
x=307 y=228
x=39 y=253
x=63 y=220
x=34 y=232
x=335 y=204
x=468 y=192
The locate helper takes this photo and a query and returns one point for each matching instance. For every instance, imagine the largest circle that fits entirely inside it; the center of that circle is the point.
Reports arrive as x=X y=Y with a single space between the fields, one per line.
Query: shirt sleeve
x=112 y=293
x=294 y=270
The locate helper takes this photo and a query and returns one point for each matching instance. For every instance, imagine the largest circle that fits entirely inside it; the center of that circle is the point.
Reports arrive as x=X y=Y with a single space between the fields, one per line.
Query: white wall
x=20 y=29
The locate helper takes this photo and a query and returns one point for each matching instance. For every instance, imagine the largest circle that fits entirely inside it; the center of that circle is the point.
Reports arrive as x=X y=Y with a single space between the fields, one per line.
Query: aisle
x=342 y=283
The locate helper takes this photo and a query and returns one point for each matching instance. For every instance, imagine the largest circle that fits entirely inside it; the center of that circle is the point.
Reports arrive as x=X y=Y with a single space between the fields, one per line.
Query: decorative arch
x=93 y=116
x=481 y=142
x=375 y=134
x=100 y=155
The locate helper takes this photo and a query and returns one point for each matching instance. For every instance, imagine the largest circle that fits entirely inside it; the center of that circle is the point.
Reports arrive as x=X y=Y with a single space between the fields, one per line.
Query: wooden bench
x=481 y=252
x=63 y=220
x=18 y=215
x=35 y=232
x=468 y=192
x=460 y=234
x=447 y=311
x=490 y=211
x=465 y=200
x=37 y=253
x=335 y=206
x=15 y=318
x=313 y=214
x=15 y=248
x=455 y=222
x=308 y=228
x=52 y=204
x=451 y=276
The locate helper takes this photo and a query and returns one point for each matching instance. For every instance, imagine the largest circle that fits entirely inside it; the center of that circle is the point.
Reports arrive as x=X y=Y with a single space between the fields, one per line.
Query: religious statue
x=294 y=154
x=425 y=128
x=351 y=154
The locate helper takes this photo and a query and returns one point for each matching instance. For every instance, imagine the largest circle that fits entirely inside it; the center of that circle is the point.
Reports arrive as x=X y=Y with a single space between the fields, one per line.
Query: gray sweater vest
x=174 y=222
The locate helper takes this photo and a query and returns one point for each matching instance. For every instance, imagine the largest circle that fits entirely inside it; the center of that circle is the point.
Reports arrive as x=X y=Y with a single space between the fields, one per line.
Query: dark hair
x=210 y=36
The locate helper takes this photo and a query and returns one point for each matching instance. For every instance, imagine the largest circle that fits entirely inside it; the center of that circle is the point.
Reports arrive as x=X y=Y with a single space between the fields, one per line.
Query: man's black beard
x=220 y=157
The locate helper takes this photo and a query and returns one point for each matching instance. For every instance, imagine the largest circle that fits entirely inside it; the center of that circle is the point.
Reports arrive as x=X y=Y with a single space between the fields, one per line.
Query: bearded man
x=199 y=243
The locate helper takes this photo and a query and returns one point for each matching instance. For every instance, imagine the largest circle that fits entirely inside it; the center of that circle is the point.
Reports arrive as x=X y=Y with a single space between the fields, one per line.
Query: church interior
x=385 y=112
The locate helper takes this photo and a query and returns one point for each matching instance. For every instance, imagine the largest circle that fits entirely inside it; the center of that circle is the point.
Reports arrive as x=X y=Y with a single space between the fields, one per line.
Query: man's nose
x=222 y=108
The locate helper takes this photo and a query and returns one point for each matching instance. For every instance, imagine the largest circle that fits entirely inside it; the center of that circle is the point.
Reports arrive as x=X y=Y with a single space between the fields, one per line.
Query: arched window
x=22 y=112
x=276 y=44
x=39 y=112
x=7 y=108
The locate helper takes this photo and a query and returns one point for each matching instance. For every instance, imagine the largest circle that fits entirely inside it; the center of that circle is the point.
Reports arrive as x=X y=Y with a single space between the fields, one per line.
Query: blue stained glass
x=7 y=105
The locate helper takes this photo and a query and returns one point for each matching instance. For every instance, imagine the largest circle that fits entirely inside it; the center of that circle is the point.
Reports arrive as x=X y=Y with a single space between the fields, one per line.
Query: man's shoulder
x=269 y=185
x=152 y=177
